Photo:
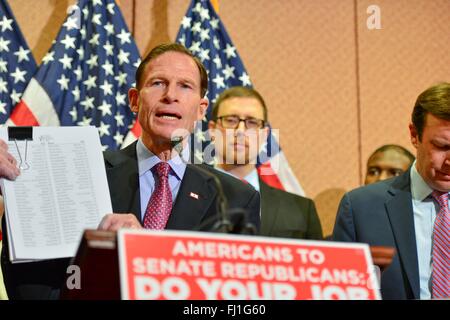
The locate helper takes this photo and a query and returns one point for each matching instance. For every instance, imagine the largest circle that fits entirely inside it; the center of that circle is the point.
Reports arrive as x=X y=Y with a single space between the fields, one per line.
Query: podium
x=97 y=258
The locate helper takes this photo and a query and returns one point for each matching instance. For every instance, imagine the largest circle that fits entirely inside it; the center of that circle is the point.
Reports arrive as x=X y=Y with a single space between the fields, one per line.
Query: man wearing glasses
x=238 y=129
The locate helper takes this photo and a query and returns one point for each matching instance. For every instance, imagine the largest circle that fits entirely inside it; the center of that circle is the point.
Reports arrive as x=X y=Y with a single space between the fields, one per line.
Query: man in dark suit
x=169 y=98
x=410 y=212
x=238 y=129
x=150 y=186
x=195 y=203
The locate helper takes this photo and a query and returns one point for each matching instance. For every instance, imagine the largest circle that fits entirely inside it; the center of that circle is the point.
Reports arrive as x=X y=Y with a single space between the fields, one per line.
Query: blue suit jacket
x=381 y=214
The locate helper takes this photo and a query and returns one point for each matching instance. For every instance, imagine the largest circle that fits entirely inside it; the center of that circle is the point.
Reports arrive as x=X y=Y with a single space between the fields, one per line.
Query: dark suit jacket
x=381 y=214
x=188 y=213
x=288 y=215
x=42 y=280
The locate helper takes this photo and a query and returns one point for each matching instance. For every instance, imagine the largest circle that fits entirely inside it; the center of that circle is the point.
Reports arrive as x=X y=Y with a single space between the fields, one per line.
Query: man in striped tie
x=410 y=212
x=150 y=186
x=169 y=98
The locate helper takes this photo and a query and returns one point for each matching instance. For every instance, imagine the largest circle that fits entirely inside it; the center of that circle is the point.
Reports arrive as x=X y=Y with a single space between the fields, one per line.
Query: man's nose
x=240 y=129
x=384 y=175
x=170 y=94
x=447 y=160
x=241 y=125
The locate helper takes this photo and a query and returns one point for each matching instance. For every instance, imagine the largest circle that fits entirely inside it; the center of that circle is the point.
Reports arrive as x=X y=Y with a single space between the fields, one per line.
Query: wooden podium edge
x=98 y=262
x=382 y=256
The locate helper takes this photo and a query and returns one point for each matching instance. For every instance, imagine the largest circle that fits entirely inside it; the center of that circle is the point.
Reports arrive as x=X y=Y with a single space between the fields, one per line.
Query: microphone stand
x=223 y=224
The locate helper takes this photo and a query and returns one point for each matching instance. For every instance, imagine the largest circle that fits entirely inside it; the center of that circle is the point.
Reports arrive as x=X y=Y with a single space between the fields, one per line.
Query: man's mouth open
x=168 y=116
x=444 y=175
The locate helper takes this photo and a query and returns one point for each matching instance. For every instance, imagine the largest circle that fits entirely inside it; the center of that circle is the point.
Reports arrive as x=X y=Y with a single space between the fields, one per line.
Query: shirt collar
x=252 y=178
x=147 y=160
x=420 y=190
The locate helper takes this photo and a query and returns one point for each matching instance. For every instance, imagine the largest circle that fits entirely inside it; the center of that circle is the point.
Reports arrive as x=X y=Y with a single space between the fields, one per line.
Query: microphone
x=223 y=224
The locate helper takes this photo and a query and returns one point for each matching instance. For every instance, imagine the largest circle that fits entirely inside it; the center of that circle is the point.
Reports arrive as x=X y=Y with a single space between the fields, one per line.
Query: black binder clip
x=21 y=133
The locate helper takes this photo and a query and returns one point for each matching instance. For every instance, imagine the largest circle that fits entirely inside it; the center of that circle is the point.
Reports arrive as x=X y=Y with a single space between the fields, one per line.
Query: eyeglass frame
x=261 y=126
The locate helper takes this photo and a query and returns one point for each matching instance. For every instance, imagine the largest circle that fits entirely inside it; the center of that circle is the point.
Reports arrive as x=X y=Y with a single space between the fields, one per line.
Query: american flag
x=204 y=34
x=17 y=64
x=84 y=78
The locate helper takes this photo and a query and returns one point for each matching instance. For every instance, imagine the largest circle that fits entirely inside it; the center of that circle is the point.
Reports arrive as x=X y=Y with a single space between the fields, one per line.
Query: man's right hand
x=8 y=164
x=116 y=221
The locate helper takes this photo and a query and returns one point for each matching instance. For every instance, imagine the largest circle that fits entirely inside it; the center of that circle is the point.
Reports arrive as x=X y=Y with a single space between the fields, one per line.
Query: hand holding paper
x=8 y=164
x=114 y=222
x=62 y=191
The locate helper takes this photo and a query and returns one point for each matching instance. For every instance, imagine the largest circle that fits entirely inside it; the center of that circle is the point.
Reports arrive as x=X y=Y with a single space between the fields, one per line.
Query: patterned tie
x=441 y=253
x=160 y=204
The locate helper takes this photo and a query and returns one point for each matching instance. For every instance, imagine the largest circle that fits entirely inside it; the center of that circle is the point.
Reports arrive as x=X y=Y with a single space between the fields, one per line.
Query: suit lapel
x=401 y=217
x=123 y=178
x=269 y=208
x=193 y=200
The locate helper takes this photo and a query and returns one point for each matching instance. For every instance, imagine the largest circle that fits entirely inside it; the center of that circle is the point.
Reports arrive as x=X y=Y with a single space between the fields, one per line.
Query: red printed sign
x=185 y=265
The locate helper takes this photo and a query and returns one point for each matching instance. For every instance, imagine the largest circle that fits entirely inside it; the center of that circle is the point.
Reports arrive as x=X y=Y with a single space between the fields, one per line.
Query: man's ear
x=212 y=129
x=202 y=109
x=211 y=124
x=133 y=97
x=414 y=135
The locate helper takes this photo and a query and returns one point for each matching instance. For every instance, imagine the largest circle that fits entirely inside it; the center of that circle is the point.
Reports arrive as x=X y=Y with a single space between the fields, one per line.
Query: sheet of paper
x=63 y=192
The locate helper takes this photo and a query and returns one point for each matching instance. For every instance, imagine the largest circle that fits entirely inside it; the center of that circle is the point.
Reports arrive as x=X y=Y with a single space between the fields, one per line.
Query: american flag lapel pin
x=193 y=195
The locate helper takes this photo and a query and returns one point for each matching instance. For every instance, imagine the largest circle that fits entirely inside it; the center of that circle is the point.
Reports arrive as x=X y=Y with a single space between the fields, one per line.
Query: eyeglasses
x=233 y=121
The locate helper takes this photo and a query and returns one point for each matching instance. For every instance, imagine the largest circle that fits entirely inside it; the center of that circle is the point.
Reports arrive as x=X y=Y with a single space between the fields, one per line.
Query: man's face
x=169 y=98
x=238 y=146
x=433 y=152
x=386 y=164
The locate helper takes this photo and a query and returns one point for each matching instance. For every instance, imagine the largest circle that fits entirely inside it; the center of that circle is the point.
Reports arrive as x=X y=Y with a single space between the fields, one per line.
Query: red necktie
x=441 y=252
x=159 y=206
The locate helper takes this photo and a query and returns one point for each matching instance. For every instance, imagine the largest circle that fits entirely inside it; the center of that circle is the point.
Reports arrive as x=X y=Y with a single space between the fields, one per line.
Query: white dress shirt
x=425 y=210
x=146 y=161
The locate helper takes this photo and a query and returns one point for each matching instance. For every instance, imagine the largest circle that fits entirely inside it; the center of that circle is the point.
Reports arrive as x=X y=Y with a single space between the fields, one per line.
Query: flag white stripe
x=39 y=103
x=129 y=139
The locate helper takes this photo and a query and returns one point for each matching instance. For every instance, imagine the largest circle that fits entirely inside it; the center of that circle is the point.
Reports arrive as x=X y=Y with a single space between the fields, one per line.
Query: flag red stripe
x=136 y=129
x=22 y=116
x=269 y=176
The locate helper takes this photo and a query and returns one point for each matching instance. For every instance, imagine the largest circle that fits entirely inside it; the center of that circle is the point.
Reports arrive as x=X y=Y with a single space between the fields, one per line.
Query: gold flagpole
x=215 y=4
